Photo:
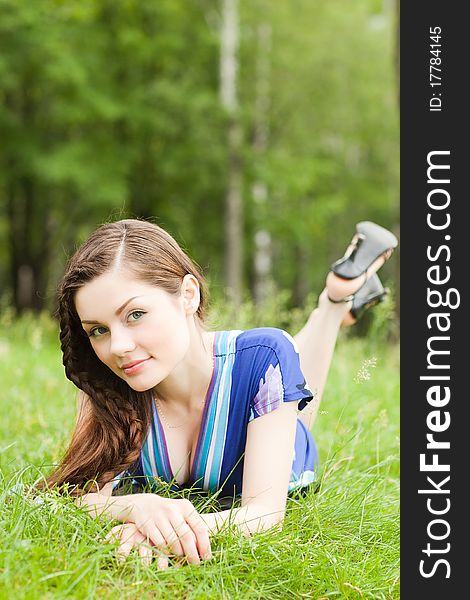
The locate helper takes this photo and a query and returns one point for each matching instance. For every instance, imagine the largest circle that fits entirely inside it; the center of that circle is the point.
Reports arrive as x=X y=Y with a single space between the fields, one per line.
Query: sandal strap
x=345 y=299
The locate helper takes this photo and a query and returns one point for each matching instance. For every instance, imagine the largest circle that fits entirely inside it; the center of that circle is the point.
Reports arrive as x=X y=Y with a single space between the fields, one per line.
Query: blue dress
x=255 y=371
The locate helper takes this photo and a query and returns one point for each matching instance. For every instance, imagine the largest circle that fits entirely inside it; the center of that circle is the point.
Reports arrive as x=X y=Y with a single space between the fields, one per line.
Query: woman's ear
x=190 y=294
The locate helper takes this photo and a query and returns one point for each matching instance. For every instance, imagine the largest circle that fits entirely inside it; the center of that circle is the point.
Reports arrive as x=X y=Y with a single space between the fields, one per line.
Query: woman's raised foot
x=343 y=290
x=370 y=247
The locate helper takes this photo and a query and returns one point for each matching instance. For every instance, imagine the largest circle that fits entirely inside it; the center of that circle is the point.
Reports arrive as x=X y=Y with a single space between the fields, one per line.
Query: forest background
x=257 y=133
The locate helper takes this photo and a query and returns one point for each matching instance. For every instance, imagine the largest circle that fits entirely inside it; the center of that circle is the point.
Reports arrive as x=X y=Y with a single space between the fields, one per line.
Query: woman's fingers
x=164 y=538
x=201 y=532
x=199 y=529
x=187 y=540
x=152 y=533
x=173 y=535
x=173 y=526
x=172 y=541
x=153 y=541
x=124 y=550
x=114 y=534
x=146 y=553
x=178 y=537
x=162 y=562
x=129 y=536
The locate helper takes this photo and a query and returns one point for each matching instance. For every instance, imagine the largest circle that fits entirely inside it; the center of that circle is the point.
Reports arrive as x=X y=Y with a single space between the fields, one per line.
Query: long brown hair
x=108 y=438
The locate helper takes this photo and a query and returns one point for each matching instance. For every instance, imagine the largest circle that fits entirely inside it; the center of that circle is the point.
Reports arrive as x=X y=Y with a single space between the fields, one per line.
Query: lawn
x=341 y=541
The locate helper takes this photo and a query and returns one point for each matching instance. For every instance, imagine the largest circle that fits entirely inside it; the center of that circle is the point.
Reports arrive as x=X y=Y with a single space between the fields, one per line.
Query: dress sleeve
x=279 y=376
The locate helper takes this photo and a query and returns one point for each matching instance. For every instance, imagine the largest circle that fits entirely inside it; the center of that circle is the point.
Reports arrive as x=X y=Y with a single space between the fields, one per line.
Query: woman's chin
x=142 y=386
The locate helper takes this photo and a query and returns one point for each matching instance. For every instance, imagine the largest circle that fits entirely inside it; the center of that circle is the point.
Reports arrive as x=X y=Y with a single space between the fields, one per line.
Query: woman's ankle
x=326 y=306
x=338 y=288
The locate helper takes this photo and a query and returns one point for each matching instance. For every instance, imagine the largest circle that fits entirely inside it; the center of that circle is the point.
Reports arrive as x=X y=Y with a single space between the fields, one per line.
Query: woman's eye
x=97 y=332
x=135 y=315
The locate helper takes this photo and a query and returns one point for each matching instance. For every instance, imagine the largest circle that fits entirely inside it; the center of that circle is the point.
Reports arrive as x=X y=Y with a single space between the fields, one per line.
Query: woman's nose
x=121 y=343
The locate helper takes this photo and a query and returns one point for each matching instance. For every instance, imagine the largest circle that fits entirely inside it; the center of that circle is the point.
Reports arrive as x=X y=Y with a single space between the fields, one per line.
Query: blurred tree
x=115 y=126
x=332 y=156
x=229 y=35
x=262 y=259
x=112 y=108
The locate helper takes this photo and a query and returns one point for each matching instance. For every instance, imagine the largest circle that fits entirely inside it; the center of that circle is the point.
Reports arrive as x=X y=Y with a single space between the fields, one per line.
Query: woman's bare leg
x=316 y=342
x=317 y=339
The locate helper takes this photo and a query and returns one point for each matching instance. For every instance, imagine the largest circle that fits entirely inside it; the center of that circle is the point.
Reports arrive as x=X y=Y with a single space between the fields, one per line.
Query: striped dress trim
x=215 y=430
x=155 y=452
x=206 y=467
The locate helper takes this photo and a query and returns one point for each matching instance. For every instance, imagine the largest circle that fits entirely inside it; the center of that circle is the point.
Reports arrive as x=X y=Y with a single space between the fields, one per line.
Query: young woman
x=163 y=398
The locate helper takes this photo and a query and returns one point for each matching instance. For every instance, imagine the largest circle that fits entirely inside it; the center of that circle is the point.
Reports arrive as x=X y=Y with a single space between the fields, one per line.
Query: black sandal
x=370 y=294
x=370 y=242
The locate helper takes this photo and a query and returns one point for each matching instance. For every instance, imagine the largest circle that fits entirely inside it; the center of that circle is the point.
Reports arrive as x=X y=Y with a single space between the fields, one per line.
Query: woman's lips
x=134 y=367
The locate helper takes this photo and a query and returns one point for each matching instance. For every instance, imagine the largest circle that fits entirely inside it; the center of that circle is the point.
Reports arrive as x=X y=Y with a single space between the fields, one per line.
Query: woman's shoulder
x=271 y=337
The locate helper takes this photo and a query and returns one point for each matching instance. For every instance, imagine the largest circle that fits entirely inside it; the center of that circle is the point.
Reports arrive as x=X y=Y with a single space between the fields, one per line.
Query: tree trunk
x=263 y=248
x=234 y=206
x=29 y=237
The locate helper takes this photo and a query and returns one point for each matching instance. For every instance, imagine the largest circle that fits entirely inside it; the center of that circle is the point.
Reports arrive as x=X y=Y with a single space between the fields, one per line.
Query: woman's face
x=138 y=330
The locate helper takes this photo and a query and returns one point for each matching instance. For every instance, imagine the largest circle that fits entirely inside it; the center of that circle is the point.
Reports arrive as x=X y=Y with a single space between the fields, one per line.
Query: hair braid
x=108 y=439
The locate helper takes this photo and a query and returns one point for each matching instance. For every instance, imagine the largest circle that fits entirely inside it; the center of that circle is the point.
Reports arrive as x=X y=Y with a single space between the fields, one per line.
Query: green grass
x=341 y=542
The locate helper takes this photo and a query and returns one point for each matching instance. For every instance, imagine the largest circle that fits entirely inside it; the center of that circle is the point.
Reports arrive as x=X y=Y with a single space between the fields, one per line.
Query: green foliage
x=111 y=108
x=333 y=150
x=274 y=312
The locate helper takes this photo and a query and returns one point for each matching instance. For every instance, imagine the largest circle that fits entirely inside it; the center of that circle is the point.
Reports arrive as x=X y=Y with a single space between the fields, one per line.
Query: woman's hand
x=128 y=536
x=171 y=525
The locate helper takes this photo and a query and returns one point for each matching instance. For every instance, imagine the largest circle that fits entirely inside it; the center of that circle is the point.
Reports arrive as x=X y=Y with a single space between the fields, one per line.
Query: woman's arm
x=267 y=467
x=103 y=503
x=169 y=524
